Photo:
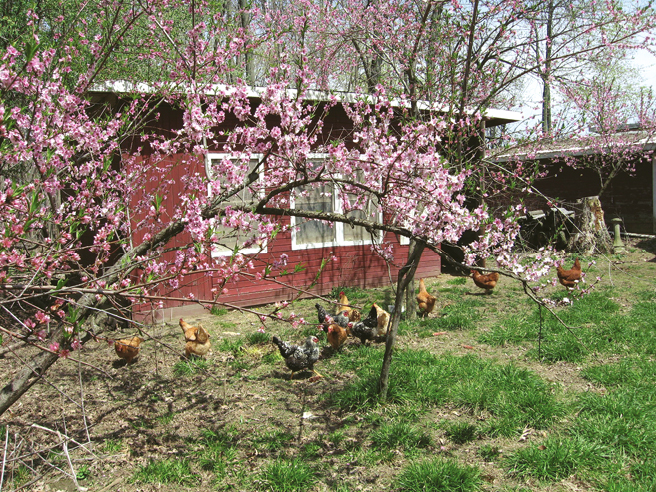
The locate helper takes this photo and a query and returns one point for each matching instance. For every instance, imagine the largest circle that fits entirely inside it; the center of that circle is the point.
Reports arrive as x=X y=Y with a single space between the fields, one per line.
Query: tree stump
x=591 y=235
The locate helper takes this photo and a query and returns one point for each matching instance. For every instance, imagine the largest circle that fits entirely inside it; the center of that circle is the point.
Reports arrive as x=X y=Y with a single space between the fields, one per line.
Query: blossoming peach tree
x=84 y=229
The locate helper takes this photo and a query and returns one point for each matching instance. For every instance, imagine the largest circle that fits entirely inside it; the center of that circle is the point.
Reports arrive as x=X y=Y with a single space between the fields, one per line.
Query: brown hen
x=336 y=335
x=569 y=278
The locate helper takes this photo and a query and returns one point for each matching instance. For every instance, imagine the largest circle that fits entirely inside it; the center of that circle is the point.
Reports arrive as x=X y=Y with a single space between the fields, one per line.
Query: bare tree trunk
x=591 y=236
x=410 y=297
x=546 y=89
x=406 y=274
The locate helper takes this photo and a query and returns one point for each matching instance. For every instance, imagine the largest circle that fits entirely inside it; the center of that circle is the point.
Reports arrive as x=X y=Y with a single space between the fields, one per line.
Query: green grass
x=461 y=432
x=218 y=311
x=443 y=408
x=190 y=367
x=489 y=452
x=169 y=471
x=595 y=322
x=275 y=440
x=257 y=338
x=216 y=450
x=515 y=397
x=112 y=446
x=399 y=435
x=236 y=346
x=439 y=475
x=287 y=476
x=556 y=458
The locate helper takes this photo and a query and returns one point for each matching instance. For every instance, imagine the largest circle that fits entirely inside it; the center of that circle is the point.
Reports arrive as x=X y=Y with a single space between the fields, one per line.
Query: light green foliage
x=460 y=432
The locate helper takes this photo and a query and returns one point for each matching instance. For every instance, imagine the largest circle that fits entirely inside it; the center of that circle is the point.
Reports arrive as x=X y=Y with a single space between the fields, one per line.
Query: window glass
x=229 y=237
x=314 y=199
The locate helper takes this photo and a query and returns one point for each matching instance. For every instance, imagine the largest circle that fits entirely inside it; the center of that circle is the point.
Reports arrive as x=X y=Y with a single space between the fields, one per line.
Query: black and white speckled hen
x=299 y=357
x=367 y=329
x=325 y=319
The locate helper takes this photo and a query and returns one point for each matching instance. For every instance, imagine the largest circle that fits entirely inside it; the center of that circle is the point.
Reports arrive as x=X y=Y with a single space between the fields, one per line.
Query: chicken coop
x=306 y=246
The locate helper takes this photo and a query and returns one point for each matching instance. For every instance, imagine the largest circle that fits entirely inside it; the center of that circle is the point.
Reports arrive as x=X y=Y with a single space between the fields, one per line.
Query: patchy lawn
x=485 y=394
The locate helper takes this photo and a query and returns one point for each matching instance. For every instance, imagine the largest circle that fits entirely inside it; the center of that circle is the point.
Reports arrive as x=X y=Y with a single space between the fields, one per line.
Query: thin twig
x=4 y=457
x=67 y=438
x=84 y=413
x=70 y=464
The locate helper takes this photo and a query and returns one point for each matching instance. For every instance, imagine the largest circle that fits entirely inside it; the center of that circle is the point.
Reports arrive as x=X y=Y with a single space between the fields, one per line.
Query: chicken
x=197 y=339
x=382 y=319
x=325 y=319
x=343 y=307
x=299 y=357
x=425 y=301
x=354 y=315
x=569 y=278
x=485 y=281
x=128 y=348
x=367 y=328
x=336 y=335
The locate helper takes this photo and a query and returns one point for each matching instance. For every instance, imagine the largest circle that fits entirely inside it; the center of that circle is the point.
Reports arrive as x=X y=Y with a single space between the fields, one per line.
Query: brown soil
x=115 y=418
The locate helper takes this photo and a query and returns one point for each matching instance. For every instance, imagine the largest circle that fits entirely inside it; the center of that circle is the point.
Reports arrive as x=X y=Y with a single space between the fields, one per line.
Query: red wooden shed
x=345 y=252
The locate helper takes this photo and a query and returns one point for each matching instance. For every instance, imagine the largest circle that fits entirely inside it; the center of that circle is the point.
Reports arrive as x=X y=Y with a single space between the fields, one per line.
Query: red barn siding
x=356 y=266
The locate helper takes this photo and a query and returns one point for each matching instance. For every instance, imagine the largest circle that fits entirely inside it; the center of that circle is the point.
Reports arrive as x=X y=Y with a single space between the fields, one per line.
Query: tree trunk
x=591 y=236
x=27 y=376
x=410 y=297
x=546 y=90
x=406 y=274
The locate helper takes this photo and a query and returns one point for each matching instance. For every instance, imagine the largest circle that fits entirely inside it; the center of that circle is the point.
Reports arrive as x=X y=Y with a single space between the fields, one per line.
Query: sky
x=646 y=63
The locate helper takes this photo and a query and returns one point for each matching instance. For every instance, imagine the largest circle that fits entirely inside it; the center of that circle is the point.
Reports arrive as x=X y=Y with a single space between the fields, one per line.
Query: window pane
x=314 y=231
x=369 y=213
x=229 y=237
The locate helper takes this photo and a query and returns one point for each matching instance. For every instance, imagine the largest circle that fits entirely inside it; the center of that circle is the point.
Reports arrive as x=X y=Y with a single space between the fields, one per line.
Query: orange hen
x=336 y=336
x=343 y=307
x=485 y=281
x=383 y=320
x=128 y=348
x=425 y=301
x=197 y=339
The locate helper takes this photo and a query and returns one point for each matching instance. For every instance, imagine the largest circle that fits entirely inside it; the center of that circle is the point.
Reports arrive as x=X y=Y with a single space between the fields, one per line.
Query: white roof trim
x=122 y=86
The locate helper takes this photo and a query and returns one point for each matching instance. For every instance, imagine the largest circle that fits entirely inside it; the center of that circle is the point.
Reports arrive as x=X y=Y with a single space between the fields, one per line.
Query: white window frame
x=208 y=166
x=338 y=226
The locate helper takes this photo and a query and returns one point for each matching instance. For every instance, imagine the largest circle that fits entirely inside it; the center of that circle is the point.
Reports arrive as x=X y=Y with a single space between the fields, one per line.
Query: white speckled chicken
x=299 y=357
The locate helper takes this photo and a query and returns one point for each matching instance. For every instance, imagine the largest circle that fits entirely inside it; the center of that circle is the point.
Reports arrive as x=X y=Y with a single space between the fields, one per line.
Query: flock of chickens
x=346 y=322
